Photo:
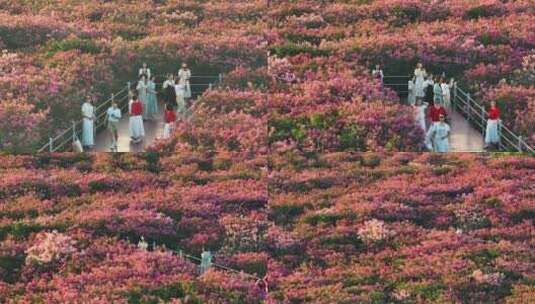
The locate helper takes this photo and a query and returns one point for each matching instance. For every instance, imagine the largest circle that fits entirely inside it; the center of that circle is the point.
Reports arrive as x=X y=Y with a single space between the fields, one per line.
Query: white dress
x=446 y=94
x=420 y=115
x=492 y=135
x=412 y=93
x=135 y=127
x=180 y=90
x=184 y=75
x=144 y=71
x=88 y=112
x=438 y=134
x=419 y=83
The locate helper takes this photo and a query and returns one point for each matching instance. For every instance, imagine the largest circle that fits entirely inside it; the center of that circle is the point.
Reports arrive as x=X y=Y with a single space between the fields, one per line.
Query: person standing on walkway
x=88 y=127
x=144 y=71
x=184 y=74
x=113 y=115
x=412 y=92
x=378 y=73
x=135 y=128
x=169 y=90
x=492 y=134
x=143 y=91
x=170 y=121
x=152 y=101
x=439 y=134
x=419 y=75
x=446 y=92
x=437 y=92
x=420 y=109
x=179 y=92
x=434 y=113
x=428 y=88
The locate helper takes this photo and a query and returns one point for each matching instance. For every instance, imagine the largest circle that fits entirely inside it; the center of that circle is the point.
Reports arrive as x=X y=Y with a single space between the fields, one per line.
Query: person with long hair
x=492 y=134
x=88 y=127
x=135 y=128
x=143 y=91
x=439 y=134
x=170 y=121
x=169 y=90
x=437 y=92
x=151 y=108
x=419 y=78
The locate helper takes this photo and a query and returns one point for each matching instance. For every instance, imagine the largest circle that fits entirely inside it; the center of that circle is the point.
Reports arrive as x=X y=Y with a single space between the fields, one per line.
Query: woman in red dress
x=170 y=120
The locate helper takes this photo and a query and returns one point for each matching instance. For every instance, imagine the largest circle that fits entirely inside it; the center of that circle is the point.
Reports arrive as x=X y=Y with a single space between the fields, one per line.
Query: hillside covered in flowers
x=329 y=228
x=322 y=53
x=70 y=225
x=57 y=53
x=402 y=228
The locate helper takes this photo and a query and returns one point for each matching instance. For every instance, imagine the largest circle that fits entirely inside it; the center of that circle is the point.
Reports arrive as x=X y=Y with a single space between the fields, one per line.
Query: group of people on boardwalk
x=430 y=96
x=142 y=106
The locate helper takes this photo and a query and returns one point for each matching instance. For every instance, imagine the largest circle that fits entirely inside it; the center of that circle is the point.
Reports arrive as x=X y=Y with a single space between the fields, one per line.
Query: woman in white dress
x=184 y=74
x=446 y=93
x=88 y=130
x=180 y=102
x=135 y=128
x=419 y=74
x=420 y=111
x=143 y=92
x=412 y=94
x=439 y=134
x=492 y=134
x=144 y=71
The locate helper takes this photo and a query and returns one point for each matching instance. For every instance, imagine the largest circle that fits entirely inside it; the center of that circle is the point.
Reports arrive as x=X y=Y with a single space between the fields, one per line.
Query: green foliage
x=166 y=293
x=483 y=11
x=19 y=230
x=292 y=49
x=10 y=267
x=83 y=45
x=484 y=257
x=327 y=218
x=285 y=213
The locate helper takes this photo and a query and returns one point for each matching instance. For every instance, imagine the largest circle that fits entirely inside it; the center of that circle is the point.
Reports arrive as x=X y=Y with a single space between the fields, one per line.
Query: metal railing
x=473 y=111
x=63 y=141
x=143 y=245
x=477 y=115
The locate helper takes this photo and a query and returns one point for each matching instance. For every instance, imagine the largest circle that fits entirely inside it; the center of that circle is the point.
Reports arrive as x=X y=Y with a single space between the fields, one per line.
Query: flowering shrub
x=61 y=53
x=478 y=43
x=400 y=228
x=49 y=247
x=373 y=231
x=98 y=207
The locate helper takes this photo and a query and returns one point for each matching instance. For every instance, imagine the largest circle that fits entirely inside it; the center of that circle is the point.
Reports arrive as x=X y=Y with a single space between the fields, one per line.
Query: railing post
x=483 y=112
x=520 y=143
x=454 y=101
x=220 y=77
x=74 y=130
x=468 y=106
x=50 y=144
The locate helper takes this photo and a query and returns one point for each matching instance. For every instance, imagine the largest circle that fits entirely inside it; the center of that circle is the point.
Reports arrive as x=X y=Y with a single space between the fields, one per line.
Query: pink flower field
x=329 y=48
x=328 y=228
x=297 y=177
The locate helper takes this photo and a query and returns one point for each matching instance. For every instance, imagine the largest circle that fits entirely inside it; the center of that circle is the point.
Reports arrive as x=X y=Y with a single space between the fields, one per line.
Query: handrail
x=60 y=142
x=476 y=113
